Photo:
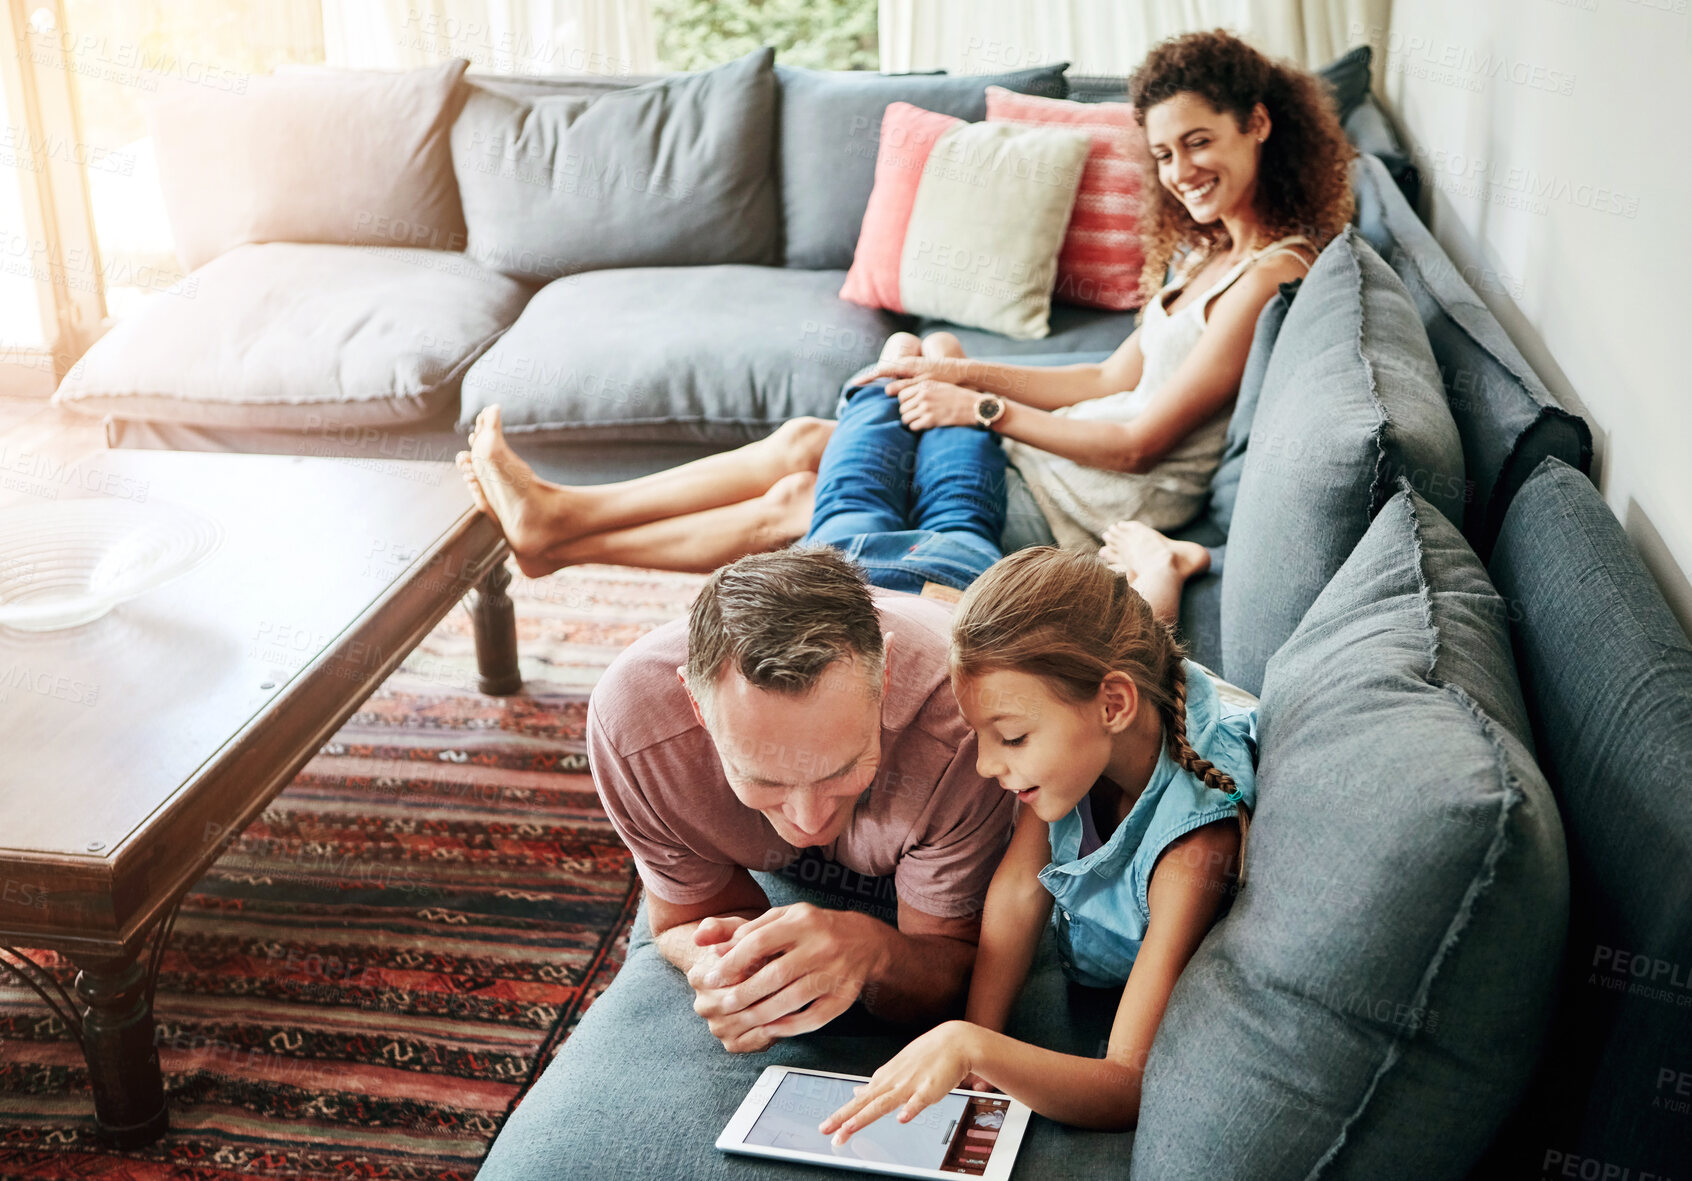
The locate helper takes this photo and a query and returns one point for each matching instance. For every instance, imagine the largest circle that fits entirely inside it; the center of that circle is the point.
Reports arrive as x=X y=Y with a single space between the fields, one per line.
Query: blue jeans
x=910 y=507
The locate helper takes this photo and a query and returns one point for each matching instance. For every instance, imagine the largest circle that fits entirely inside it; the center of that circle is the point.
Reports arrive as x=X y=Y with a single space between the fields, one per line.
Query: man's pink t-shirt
x=928 y=819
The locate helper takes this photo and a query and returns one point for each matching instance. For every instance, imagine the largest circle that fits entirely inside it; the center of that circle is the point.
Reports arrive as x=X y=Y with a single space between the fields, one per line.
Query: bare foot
x=462 y=459
x=528 y=509
x=1133 y=549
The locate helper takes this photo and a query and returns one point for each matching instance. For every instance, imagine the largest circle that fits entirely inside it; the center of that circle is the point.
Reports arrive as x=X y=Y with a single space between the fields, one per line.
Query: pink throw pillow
x=966 y=219
x=1099 y=265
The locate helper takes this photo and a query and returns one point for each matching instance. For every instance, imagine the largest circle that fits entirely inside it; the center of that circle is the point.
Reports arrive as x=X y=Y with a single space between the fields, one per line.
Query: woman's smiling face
x=1203 y=158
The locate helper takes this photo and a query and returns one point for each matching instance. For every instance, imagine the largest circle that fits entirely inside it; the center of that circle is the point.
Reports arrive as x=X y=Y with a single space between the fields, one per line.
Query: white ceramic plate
x=71 y=561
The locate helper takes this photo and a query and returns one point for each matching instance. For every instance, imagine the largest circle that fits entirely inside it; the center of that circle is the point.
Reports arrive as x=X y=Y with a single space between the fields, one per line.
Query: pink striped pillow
x=1099 y=265
x=966 y=220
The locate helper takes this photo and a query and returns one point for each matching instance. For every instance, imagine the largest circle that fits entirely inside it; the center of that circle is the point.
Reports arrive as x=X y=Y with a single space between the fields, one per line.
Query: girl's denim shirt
x=1102 y=909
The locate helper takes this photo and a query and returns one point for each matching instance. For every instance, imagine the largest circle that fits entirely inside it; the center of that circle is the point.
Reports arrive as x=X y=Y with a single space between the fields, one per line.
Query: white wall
x=1104 y=36
x=1554 y=138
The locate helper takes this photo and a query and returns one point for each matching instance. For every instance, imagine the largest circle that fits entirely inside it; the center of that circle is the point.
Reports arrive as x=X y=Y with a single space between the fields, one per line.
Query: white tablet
x=968 y=1133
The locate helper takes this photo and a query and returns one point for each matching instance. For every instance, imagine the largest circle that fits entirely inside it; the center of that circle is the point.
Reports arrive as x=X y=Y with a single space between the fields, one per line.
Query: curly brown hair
x=1304 y=177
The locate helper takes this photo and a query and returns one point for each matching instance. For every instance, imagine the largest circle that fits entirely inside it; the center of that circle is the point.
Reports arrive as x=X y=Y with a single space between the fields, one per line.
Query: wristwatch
x=989 y=408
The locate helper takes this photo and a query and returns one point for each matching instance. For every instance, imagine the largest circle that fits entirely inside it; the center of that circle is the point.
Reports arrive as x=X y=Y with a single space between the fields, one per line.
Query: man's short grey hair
x=781 y=620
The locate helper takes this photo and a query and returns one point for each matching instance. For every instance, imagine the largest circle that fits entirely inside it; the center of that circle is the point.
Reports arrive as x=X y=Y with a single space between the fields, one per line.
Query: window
x=118 y=54
x=819 y=34
x=23 y=335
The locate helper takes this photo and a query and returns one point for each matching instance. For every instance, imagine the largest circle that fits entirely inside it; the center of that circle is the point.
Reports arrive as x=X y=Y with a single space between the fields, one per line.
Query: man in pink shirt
x=798 y=708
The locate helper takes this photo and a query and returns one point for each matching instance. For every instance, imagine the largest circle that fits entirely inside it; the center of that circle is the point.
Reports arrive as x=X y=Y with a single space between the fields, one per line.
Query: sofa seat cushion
x=1507 y=418
x=274 y=336
x=1607 y=673
x=720 y=354
x=1350 y=400
x=1373 y=1003
x=1074 y=329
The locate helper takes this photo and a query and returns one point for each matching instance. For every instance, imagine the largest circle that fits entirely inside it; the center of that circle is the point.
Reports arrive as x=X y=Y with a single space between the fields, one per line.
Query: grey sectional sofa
x=1464 y=945
x=651 y=274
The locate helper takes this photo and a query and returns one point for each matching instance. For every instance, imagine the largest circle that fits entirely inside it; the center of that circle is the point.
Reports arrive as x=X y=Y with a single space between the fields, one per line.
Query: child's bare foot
x=1133 y=549
x=528 y=509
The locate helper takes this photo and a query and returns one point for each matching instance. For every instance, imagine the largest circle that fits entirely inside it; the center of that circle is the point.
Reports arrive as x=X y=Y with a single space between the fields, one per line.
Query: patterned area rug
x=375 y=971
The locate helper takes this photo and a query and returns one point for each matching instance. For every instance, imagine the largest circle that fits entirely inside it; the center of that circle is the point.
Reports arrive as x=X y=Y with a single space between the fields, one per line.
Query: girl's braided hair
x=1068 y=618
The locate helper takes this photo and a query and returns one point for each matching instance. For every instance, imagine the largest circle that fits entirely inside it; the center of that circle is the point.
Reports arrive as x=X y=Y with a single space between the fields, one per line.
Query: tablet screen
x=955 y=1135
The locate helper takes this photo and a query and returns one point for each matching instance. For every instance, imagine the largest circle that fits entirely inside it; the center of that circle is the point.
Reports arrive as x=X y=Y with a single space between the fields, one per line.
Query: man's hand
x=713 y=936
x=791 y=970
x=925 y=402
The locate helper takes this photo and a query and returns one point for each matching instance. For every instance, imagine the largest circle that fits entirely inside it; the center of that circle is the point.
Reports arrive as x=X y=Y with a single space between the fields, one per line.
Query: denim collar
x=1124 y=841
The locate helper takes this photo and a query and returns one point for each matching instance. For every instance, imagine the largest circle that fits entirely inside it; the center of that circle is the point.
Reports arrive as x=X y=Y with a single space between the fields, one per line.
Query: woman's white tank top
x=1081 y=502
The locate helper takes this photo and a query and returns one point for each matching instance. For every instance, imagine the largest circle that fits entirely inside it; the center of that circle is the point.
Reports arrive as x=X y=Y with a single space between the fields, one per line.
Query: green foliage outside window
x=820 y=34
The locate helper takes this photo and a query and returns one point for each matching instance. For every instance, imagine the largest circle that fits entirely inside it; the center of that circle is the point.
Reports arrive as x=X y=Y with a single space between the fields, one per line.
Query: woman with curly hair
x=1247 y=179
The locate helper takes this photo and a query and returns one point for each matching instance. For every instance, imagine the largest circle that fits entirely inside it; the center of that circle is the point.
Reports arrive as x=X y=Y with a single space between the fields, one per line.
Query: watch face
x=988 y=409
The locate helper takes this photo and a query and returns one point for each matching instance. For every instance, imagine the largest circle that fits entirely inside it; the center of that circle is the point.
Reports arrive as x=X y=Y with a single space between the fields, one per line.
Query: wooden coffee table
x=138 y=746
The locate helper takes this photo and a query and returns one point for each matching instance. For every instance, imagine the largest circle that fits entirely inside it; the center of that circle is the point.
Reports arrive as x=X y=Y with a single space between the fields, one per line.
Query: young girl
x=1134 y=777
x=1246 y=179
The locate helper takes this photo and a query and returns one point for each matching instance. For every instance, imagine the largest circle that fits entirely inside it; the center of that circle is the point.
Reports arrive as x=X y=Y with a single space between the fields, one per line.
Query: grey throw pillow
x=676 y=172
x=831 y=129
x=1351 y=400
x=1607 y=672
x=1373 y=1004
x=1225 y=484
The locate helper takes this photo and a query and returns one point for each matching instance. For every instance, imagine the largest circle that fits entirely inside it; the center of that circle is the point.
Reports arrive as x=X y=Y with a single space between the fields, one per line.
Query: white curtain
x=1113 y=36
x=613 y=37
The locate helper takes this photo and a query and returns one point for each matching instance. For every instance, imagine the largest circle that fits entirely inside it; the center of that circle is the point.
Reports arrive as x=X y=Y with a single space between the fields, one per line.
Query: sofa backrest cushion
x=829 y=134
x=1225 y=484
x=676 y=172
x=1369 y=130
x=1607 y=673
x=1508 y=419
x=282 y=160
x=1350 y=401
x=1375 y=998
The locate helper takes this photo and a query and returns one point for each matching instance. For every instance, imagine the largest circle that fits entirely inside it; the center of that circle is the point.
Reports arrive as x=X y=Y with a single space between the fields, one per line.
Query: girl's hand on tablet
x=919 y=1075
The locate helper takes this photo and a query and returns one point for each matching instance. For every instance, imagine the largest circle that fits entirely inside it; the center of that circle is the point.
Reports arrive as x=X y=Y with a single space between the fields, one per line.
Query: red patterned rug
x=376 y=971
